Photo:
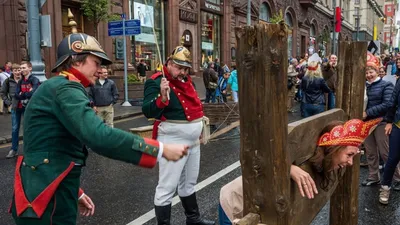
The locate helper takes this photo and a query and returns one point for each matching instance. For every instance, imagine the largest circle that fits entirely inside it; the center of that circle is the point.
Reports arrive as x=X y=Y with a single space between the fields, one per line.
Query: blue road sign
x=132 y=23
x=132 y=27
x=117 y=32
x=115 y=24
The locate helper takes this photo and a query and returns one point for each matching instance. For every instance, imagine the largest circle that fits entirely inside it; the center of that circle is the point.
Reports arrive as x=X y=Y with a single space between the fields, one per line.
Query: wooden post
x=344 y=201
x=262 y=73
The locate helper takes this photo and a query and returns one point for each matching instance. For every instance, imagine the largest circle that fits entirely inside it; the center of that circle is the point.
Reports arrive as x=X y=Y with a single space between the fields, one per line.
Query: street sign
x=116 y=28
x=115 y=24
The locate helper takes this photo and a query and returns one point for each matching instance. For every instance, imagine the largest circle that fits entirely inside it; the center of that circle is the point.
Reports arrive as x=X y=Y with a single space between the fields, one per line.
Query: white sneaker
x=384 y=194
x=11 y=154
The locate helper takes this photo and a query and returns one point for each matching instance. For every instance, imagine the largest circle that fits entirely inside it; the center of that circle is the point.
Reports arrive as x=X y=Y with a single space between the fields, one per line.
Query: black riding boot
x=192 y=211
x=163 y=214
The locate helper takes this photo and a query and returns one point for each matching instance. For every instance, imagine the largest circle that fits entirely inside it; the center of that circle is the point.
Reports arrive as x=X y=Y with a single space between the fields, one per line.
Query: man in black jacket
x=103 y=95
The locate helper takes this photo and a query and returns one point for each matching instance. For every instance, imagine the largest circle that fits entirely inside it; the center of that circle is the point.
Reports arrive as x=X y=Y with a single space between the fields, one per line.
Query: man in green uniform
x=58 y=123
x=170 y=97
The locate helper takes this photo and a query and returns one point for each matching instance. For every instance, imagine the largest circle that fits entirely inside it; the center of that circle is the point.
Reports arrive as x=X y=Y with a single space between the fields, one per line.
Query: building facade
x=206 y=27
x=390 y=26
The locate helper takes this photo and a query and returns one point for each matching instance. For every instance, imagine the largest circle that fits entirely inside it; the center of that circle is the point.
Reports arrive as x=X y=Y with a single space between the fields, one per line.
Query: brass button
x=179 y=93
x=46 y=161
x=24 y=164
x=140 y=145
x=186 y=108
x=147 y=148
x=173 y=88
x=188 y=117
x=33 y=168
x=29 y=205
x=183 y=101
x=158 y=95
x=154 y=150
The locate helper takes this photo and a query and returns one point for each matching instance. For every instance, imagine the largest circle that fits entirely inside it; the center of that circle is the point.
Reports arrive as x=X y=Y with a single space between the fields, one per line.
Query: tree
x=96 y=11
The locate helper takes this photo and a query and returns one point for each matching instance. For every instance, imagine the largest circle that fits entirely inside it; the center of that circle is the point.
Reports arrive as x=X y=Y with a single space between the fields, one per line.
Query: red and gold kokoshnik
x=352 y=133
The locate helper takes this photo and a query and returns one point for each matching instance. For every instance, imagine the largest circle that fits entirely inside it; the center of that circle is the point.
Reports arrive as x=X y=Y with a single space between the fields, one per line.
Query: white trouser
x=184 y=172
x=106 y=113
x=235 y=96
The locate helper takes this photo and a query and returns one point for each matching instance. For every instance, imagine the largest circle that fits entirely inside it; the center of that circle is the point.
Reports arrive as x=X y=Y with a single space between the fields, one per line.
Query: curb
x=7 y=139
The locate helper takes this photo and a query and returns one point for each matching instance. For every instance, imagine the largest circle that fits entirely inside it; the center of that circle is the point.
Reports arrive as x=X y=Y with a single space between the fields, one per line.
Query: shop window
x=289 y=22
x=144 y=45
x=210 y=37
x=265 y=12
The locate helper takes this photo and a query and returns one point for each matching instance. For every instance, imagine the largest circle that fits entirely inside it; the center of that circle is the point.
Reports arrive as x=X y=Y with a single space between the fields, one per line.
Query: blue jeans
x=311 y=109
x=331 y=100
x=223 y=219
x=394 y=156
x=210 y=95
x=16 y=115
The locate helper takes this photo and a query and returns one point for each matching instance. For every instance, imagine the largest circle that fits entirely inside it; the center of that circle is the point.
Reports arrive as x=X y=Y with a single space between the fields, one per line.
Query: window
x=312 y=31
x=356 y=22
x=357 y=11
x=265 y=13
x=144 y=45
x=210 y=37
x=289 y=22
x=389 y=8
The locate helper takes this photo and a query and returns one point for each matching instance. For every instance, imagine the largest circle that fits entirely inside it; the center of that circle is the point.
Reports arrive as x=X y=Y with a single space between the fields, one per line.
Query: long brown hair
x=322 y=159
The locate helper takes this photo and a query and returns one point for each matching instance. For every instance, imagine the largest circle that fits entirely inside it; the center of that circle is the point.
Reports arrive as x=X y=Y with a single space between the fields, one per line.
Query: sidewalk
x=120 y=112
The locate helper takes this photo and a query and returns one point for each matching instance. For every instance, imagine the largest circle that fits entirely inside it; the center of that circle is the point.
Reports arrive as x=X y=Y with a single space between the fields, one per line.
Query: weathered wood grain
x=344 y=201
x=262 y=72
x=221 y=113
x=303 y=134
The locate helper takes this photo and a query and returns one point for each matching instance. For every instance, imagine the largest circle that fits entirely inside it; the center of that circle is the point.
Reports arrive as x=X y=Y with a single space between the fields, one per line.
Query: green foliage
x=277 y=18
x=133 y=79
x=95 y=10
x=114 y=17
x=323 y=37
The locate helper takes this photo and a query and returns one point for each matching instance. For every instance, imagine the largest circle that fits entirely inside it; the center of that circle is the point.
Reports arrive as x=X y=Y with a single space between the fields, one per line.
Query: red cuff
x=160 y=104
x=151 y=142
x=147 y=161
x=80 y=193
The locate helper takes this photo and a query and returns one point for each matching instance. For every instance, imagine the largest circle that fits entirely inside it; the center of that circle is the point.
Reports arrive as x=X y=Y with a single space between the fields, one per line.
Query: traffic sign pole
x=126 y=103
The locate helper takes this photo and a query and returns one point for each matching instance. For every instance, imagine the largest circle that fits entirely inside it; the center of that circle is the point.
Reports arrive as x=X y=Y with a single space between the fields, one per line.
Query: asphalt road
x=123 y=193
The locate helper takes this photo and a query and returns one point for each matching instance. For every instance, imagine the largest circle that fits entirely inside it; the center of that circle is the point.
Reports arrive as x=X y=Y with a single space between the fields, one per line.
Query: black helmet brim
x=104 y=59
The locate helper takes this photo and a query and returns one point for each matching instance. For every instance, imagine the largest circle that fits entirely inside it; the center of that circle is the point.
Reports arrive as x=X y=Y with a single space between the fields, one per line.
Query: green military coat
x=58 y=123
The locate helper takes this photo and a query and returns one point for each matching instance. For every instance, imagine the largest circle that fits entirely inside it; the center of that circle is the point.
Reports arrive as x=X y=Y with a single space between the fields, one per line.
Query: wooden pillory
x=269 y=146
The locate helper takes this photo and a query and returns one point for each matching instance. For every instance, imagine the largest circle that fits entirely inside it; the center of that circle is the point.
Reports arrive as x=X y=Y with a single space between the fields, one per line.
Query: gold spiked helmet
x=181 y=56
x=79 y=43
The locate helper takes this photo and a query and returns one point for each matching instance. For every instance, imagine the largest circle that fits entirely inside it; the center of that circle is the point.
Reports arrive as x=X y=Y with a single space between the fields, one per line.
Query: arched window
x=289 y=22
x=265 y=12
x=312 y=31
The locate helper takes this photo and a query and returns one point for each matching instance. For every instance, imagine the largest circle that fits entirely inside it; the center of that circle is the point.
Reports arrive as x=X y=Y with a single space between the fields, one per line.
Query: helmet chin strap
x=158 y=47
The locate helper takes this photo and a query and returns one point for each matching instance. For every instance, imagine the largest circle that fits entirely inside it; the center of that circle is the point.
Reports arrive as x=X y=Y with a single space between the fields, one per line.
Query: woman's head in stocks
x=338 y=144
